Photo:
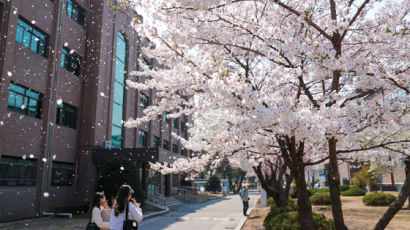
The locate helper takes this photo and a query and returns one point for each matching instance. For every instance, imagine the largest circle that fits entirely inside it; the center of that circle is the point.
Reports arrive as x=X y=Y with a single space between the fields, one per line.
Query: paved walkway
x=224 y=213
x=220 y=214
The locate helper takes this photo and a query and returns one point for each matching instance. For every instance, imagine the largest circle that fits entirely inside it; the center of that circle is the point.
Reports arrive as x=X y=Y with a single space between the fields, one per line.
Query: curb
x=13 y=222
x=243 y=220
x=155 y=214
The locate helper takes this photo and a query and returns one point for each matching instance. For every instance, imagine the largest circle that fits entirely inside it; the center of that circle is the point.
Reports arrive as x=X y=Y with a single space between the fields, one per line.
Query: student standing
x=124 y=199
x=99 y=205
x=245 y=199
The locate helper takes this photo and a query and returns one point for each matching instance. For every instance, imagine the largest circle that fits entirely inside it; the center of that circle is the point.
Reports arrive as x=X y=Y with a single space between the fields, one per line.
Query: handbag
x=91 y=226
x=129 y=224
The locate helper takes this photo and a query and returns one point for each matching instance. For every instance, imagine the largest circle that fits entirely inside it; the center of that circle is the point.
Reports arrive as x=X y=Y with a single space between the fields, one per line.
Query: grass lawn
x=359 y=216
x=356 y=215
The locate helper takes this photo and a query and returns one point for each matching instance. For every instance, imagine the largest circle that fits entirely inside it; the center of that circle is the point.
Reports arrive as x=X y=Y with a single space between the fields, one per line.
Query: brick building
x=63 y=65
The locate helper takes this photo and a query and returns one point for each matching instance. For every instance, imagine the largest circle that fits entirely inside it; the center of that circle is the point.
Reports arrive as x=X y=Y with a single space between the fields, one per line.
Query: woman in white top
x=99 y=205
x=118 y=212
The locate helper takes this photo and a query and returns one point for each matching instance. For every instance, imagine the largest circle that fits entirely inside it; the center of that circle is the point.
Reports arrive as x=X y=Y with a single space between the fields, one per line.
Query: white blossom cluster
x=250 y=71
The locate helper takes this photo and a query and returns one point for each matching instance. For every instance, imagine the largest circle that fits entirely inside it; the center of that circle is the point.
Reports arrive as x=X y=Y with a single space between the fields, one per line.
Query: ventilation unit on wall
x=107 y=144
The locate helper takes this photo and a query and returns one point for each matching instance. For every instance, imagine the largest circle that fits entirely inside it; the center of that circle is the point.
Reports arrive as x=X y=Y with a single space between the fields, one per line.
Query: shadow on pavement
x=177 y=213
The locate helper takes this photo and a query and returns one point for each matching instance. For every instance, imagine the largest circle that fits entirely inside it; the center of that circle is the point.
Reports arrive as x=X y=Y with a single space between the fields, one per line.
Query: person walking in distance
x=245 y=199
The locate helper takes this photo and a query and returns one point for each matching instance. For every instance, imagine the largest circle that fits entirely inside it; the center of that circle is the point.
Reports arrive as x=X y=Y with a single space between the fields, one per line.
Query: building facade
x=63 y=65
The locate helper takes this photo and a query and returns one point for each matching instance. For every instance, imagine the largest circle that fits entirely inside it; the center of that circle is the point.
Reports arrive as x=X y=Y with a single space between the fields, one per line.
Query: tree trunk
x=277 y=192
x=293 y=157
x=334 y=183
x=407 y=170
x=397 y=204
x=304 y=206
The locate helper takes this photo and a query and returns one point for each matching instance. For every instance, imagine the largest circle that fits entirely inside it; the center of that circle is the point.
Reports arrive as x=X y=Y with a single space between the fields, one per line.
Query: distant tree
x=213 y=184
x=365 y=177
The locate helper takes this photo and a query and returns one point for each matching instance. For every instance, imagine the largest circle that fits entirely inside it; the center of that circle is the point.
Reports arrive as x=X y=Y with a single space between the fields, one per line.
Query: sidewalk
x=78 y=222
x=223 y=213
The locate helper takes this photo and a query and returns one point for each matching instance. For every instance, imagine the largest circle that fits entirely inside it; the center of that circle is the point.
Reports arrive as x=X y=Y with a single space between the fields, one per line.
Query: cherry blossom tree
x=288 y=80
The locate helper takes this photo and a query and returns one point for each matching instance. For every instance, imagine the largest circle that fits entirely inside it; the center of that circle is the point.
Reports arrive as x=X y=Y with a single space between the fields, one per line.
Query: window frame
x=28 y=28
x=26 y=99
x=175 y=123
x=164 y=117
x=76 y=12
x=144 y=135
x=144 y=100
x=156 y=141
x=119 y=83
x=175 y=148
x=167 y=144
x=25 y=169
x=61 y=119
x=63 y=165
x=68 y=59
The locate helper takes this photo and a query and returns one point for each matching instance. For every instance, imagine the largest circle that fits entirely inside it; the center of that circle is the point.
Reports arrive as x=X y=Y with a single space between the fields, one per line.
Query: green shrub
x=379 y=199
x=270 y=201
x=213 y=184
x=313 y=191
x=116 y=173
x=354 y=192
x=344 y=187
x=74 y=209
x=287 y=218
x=320 y=198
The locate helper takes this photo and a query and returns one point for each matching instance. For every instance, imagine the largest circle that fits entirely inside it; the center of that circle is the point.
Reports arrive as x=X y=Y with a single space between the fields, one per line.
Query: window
x=119 y=88
x=155 y=142
x=25 y=101
x=71 y=61
x=142 y=138
x=62 y=174
x=75 y=12
x=144 y=100
x=175 y=148
x=16 y=171
x=165 y=119
x=145 y=63
x=67 y=115
x=165 y=144
x=182 y=127
x=175 y=123
x=31 y=38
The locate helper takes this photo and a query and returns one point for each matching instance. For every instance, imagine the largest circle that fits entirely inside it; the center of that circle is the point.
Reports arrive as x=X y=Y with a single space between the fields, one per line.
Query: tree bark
x=334 y=183
x=274 y=188
x=304 y=206
x=397 y=204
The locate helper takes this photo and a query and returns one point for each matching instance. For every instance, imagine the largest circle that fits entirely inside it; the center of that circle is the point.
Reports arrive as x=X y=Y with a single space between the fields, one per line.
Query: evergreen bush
x=354 y=192
x=378 y=199
x=320 y=198
x=343 y=188
x=287 y=218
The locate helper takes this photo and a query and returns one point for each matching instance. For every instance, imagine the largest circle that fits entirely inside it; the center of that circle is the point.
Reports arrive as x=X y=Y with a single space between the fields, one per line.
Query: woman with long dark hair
x=124 y=199
x=98 y=206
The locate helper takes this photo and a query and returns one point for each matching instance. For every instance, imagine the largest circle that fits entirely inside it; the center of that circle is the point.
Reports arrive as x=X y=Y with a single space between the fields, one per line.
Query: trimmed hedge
x=343 y=188
x=313 y=191
x=378 y=199
x=74 y=209
x=320 y=198
x=286 y=218
x=354 y=192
